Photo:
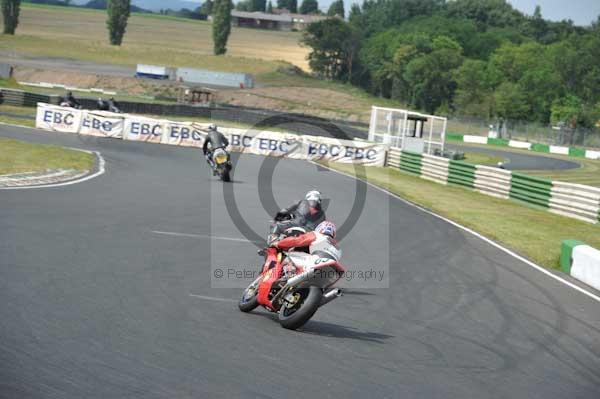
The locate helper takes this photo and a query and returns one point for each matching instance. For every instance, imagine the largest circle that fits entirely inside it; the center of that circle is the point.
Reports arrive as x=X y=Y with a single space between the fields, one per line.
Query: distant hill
x=156 y=5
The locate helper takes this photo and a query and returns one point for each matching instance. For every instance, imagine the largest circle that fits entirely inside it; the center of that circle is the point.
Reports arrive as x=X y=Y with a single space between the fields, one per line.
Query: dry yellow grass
x=81 y=34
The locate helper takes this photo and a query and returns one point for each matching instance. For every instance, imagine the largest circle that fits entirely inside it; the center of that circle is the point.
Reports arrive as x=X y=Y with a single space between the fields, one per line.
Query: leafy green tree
x=497 y=13
x=355 y=13
x=206 y=7
x=309 y=7
x=334 y=48
x=118 y=14
x=474 y=93
x=432 y=76
x=538 y=26
x=568 y=110
x=10 y=11
x=258 y=5
x=270 y=7
x=336 y=8
x=245 y=5
x=221 y=25
x=510 y=102
x=290 y=5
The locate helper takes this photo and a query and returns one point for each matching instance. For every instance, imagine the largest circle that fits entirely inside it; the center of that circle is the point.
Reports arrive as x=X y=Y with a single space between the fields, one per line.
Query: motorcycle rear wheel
x=295 y=317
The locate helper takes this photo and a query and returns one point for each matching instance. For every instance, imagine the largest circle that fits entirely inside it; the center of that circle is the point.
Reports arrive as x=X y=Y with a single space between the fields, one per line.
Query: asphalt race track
x=520 y=161
x=94 y=304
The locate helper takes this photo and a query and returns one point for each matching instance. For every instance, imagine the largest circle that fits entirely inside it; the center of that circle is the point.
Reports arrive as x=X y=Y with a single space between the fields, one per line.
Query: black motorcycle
x=220 y=162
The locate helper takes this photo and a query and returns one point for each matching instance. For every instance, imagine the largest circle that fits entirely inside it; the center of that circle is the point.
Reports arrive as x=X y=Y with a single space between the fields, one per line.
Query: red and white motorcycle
x=294 y=284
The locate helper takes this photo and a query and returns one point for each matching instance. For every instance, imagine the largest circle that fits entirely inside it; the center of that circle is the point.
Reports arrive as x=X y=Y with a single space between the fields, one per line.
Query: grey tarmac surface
x=95 y=305
x=519 y=161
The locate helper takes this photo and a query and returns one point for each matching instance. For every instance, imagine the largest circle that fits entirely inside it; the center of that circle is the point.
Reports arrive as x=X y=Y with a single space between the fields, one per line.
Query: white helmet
x=313 y=196
x=212 y=127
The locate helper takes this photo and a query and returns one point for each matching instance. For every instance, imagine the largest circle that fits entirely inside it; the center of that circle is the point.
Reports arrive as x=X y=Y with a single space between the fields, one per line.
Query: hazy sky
x=582 y=12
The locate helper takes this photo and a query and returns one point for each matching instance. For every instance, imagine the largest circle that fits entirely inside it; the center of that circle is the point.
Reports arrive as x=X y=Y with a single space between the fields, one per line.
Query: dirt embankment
x=307 y=100
x=125 y=85
x=325 y=103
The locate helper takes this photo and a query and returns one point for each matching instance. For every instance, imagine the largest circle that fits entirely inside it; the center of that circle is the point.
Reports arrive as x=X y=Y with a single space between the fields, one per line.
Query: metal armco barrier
x=22 y=98
x=572 y=200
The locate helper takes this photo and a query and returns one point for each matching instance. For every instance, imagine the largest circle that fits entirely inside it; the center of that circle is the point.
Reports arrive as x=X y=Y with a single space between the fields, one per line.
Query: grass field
x=81 y=34
x=482 y=159
x=18 y=156
x=531 y=232
x=588 y=173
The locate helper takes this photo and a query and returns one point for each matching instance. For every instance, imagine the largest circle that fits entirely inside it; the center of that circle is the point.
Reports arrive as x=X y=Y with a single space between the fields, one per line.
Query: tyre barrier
x=572 y=200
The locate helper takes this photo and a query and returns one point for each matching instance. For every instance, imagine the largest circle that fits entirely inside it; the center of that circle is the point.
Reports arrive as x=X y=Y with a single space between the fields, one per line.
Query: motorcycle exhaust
x=299 y=278
x=330 y=296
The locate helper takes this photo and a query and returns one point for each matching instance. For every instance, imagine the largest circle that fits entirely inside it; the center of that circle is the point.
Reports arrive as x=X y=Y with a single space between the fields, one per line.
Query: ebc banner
x=344 y=151
x=58 y=119
x=273 y=144
x=143 y=129
x=102 y=124
x=184 y=134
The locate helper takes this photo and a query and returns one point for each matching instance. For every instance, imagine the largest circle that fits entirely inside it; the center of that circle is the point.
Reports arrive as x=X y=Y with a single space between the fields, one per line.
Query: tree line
x=306 y=7
x=118 y=12
x=478 y=58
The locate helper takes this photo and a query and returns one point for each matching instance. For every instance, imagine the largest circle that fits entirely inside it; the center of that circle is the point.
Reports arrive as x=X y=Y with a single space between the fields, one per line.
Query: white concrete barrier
x=475 y=139
x=559 y=150
x=519 y=144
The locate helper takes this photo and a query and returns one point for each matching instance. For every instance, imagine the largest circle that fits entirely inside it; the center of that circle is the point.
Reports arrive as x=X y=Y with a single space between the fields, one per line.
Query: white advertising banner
x=183 y=134
x=102 y=124
x=143 y=129
x=58 y=119
x=344 y=151
x=304 y=147
x=267 y=143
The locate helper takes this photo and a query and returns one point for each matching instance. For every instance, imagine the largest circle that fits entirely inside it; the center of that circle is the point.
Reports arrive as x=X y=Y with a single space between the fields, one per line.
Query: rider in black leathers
x=306 y=213
x=71 y=101
x=216 y=140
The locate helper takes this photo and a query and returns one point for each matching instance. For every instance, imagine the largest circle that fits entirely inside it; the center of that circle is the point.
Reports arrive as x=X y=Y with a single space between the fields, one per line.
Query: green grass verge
x=9 y=83
x=18 y=156
x=476 y=158
x=588 y=173
x=528 y=231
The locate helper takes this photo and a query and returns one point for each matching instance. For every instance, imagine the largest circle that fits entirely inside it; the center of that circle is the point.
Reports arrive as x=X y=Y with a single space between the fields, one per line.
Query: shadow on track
x=324 y=329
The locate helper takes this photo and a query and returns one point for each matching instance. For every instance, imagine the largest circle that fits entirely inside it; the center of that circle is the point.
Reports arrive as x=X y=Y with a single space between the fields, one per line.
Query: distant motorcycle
x=220 y=162
x=110 y=105
x=69 y=104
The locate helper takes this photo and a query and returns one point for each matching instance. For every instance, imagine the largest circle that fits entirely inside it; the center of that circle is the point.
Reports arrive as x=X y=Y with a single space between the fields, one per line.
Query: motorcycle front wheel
x=225 y=176
x=306 y=302
x=249 y=299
